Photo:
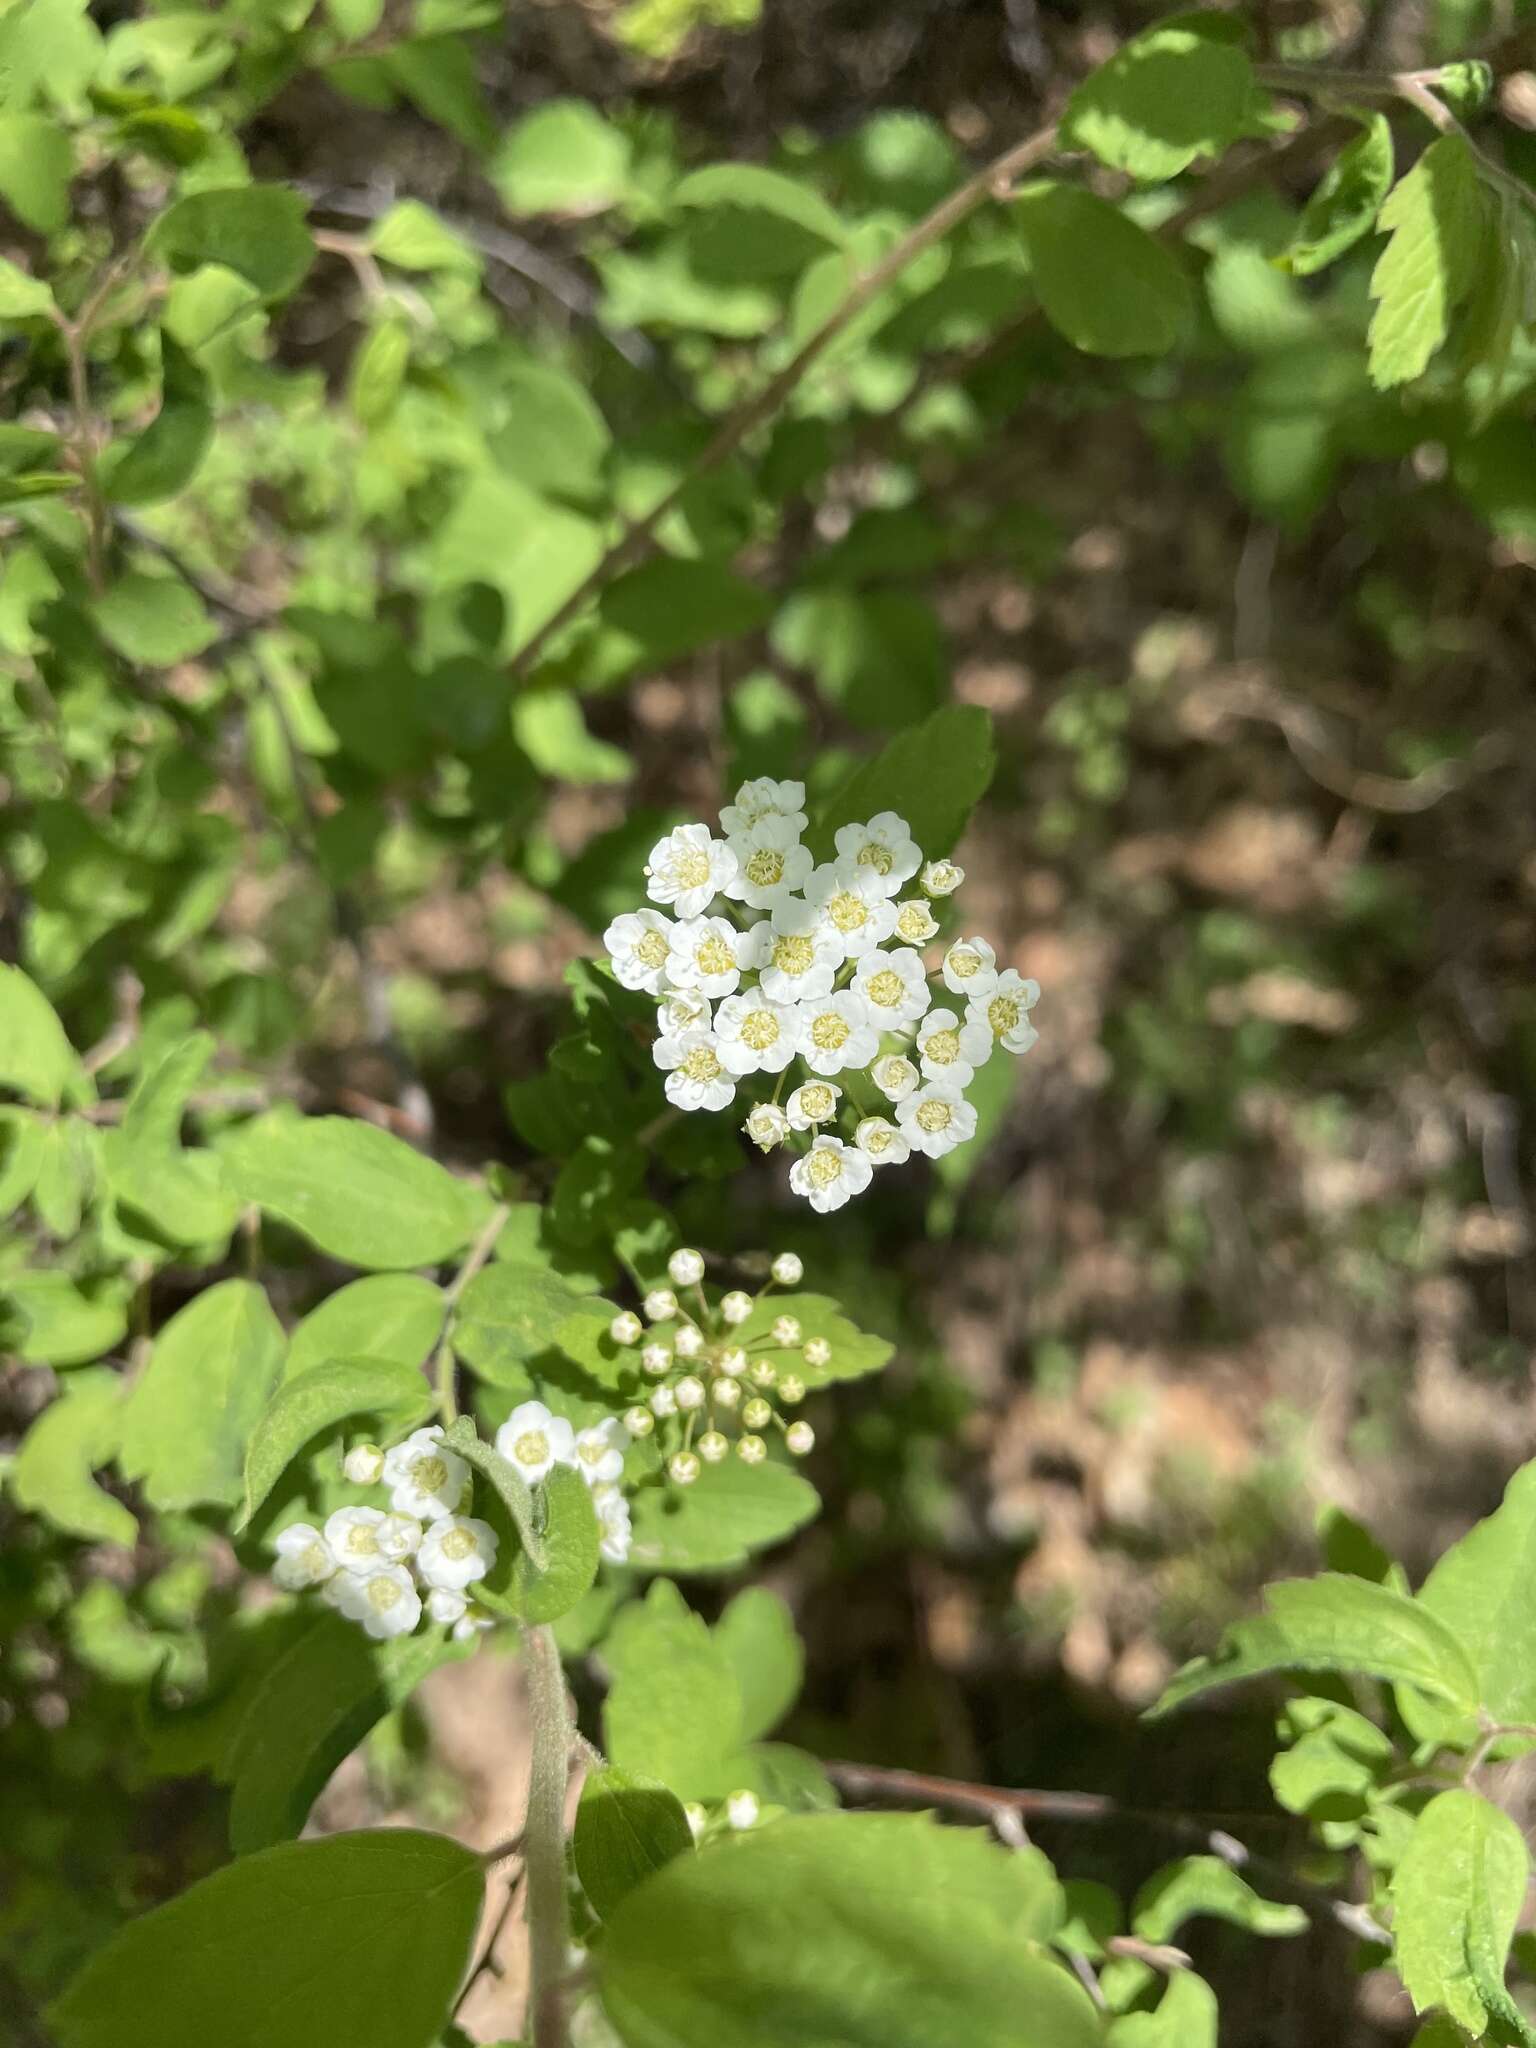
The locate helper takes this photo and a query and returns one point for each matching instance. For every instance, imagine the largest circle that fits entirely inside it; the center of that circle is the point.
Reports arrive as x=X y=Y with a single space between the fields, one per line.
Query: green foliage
x=626 y=1828
x=1104 y=282
x=1166 y=97
x=1435 y=218
x=1344 y=207
x=312 y=1402
x=1482 y=1588
x=727 y=1515
x=1457 y=1895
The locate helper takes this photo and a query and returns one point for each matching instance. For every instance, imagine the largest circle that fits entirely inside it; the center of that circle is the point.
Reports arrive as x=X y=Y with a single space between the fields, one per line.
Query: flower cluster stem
x=544 y=1839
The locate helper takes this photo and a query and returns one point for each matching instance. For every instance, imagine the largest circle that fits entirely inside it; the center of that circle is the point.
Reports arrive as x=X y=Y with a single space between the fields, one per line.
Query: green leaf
x=255 y=230
x=378 y=370
x=855 y=1353
x=362 y=1937
x=24 y=488
x=307 y=1710
x=510 y=1313
x=933 y=776
x=166 y=456
x=510 y=1487
x=626 y=1828
x=1206 y=1885
x=1185 y=2017
x=549 y=727
x=23 y=297
x=751 y=188
x=1345 y=205
x=199 y=1398
x=154 y=619
x=729 y=1513
x=357 y=1192
x=181 y=1193
x=1103 y=281
x=667 y=608
x=1166 y=97
x=64 y=1323
x=878 y=655
x=412 y=237
x=562 y=158
x=73 y=1437
x=396 y=1316
x=756 y=1634
x=1457 y=1895
x=316 y=1400
x=545 y=1589
x=674 y=1708
x=1435 y=217
x=37 y=162
x=884 y=1929
x=22 y=1137
x=1334 y=1623
x=1484 y=1587
x=36 y=1058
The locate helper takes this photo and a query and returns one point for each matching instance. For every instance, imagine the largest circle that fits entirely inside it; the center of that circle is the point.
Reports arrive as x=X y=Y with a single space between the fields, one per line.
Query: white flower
x=836 y=1032
x=689 y=1393
x=681 y=1010
x=788 y=1269
x=363 y=1465
x=600 y=1452
x=713 y=1446
x=352 y=1535
x=765 y=798
x=735 y=1307
x=705 y=956
x=852 y=907
x=688 y=868
x=656 y=1359
x=686 y=1268
x=683 y=1467
x=880 y=1142
x=951 y=1051
x=829 y=1174
x=751 y=1450
x=766 y=1125
x=456 y=1551
x=969 y=968
x=786 y=1330
x=638 y=944
x=303 y=1557
x=936 y=1119
x=696 y=1078
x=1005 y=1011
x=398 y=1536
x=799 y=1438
x=796 y=953
x=742 y=1810
x=386 y=1601
x=663 y=1403
x=815 y=1103
x=894 y=1076
x=689 y=1341
x=446 y=1607
x=894 y=986
x=471 y=1623
x=754 y=1034
x=770 y=863
x=915 y=922
x=535 y=1441
x=613 y=1524
x=942 y=877
x=626 y=1327
x=424 y=1478
x=885 y=847
x=639 y=1421
x=660 y=1305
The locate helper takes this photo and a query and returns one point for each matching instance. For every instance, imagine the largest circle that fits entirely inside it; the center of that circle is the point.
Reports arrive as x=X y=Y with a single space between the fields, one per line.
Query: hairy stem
x=544 y=1840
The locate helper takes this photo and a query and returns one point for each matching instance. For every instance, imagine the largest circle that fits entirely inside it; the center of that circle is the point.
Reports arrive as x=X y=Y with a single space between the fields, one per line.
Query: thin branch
x=442 y=1358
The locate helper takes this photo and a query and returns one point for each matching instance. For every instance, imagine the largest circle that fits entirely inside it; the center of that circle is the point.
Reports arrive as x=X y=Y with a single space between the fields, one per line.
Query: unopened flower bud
x=786 y=1330
x=742 y=1810
x=915 y=922
x=364 y=1464
x=732 y=1361
x=764 y=1374
x=800 y=1438
x=639 y=1421
x=713 y=1446
x=686 y=1268
x=791 y=1390
x=626 y=1327
x=656 y=1359
x=684 y=1467
x=660 y=1305
x=689 y=1341
x=757 y=1414
x=689 y=1393
x=663 y=1402
x=817 y=1352
x=735 y=1306
x=767 y=1126
x=942 y=877
x=751 y=1450
x=788 y=1269
x=725 y=1393
x=697 y=1818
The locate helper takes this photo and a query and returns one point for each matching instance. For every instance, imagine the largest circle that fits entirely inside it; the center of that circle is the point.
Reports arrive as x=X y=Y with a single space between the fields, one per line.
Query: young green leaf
x=1103 y=281
x=361 y=1937
x=388 y=1315
x=674 y=1708
x=1456 y=1895
x=73 y=1437
x=1484 y=1587
x=378 y=370
x=933 y=776
x=397 y=1395
x=21 y=1154
x=1204 y=1884
x=164 y=458
x=756 y=1634
x=1185 y=2016
x=543 y=1589
x=510 y=1313
x=36 y=1059
x=156 y=620
x=626 y=1828
x=730 y=1512
x=181 y=1193
x=510 y=1487
x=1435 y=217
x=562 y=158
x=1164 y=98
x=64 y=1322
x=256 y=230
x=854 y=1352
x=1344 y=207
x=37 y=161
x=23 y=297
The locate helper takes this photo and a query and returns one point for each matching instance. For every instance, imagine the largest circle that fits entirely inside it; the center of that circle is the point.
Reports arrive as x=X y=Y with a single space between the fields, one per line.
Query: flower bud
x=626 y=1327
x=364 y=1464
x=735 y=1306
x=764 y=1374
x=697 y=1818
x=689 y=1341
x=800 y=1438
x=788 y=1270
x=686 y=1268
x=732 y=1361
x=786 y=1330
x=751 y=1450
x=791 y=1390
x=689 y=1393
x=757 y=1414
x=713 y=1446
x=742 y=1810
x=725 y=1393
x=817 y=1352
x=660 y=1305
x=639 y=1421
x=446 y=1606
x=663 y=1402
x=656 y=1359
x=942 y=877
x=684 y=1467
x=915 y=922
x=767 y=1126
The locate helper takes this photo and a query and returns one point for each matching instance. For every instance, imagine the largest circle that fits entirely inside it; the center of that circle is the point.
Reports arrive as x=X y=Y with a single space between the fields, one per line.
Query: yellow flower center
x=885 y=988
x=877 y=1139
x=458 y=1544
x=1003 y=1014
x=794 y=954
x=873 y=855
x=896 y=1072
x=701 y=1064
x=691 y=870
x=531 y=1448
x=591 y=1453
x=830 y=1032
x=361 y=1541
x=383 y=1593
x=652 y=950
x=714 y=956
x=816 y=1101
x=935 y=1116
x=823 y=1168
x=963 y=962
x=848 y=912
x=914 y=923
x=765 y=868
x=314 y=1560
x=760 y=1030
x=429 y=1474
x=943 y=1048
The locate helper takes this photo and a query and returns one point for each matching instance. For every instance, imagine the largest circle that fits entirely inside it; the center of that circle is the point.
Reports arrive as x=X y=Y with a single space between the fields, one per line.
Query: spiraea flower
x=830 y=1174
x=688 y=869
x=600 y=1452
x=364 y=1465
x=613 y=1524
x=936 y=1119
x=638 y=944
x=385 y=1601
x=696 y=1075
x=455 y=1552
x=767 y=1126
x=352 y=1537
x=424 y=1477
x=535 y=1441
x=304 y=1558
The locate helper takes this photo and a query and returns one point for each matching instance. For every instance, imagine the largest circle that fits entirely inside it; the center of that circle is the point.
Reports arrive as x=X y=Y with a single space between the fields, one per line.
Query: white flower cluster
x=707 y=1381
x=769 y=965
x=383 y=1569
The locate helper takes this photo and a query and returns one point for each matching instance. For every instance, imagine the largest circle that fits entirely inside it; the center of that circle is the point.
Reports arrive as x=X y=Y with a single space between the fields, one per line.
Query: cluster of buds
x=808 y=987
x=709 y=1390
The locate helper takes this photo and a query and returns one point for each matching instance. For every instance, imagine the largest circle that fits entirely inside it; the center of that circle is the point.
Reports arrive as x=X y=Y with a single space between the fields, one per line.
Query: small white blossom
x=626 y=1327
x=915 y=922
x=688 y=868
x=791 y=1388
x=639 y=1421
x=950 y=1050
x=815 y=1103
x=770 y=863
x=836 y=1032
x=754 y=1034
x=398 y=1537
x=304 y=1558
x=767 y=1126
x=352 y=1535
x=969 y=968
x=1005 y=1011
x=705 y=956
x=656 y=1359
x=660 y=1305
x=757 y=1414
x=788 y=1268
x=638 y=944
x=663 y=1403
x=455 y=1552
x=713 y=1446
x=689 y=1341
x=742 y=1810
x=386 y=1601
x=735 y=1307
x=851 y=905
x=472 y=1623
x=885 y=847
x=613 y=1524
x=363 y=1465
x=689 y=1392
x=683 y=1467
x=445 y=1606
x=686 y=1268
x=751 y=1450
x=786 y=1330
x=696 y=1078
x=725 y=1392
x=683 y=1009
x=765 y=798
x=600 y=1452
x=936 y=1119
x=817 y=1353
x=796 y=954
x=829 y=1174
x=881 y=1142
x=894 y=986
x=535 y=1441
x=799 y=1438
x=894 y=1076
x=425 y=1479
x=942 y=877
